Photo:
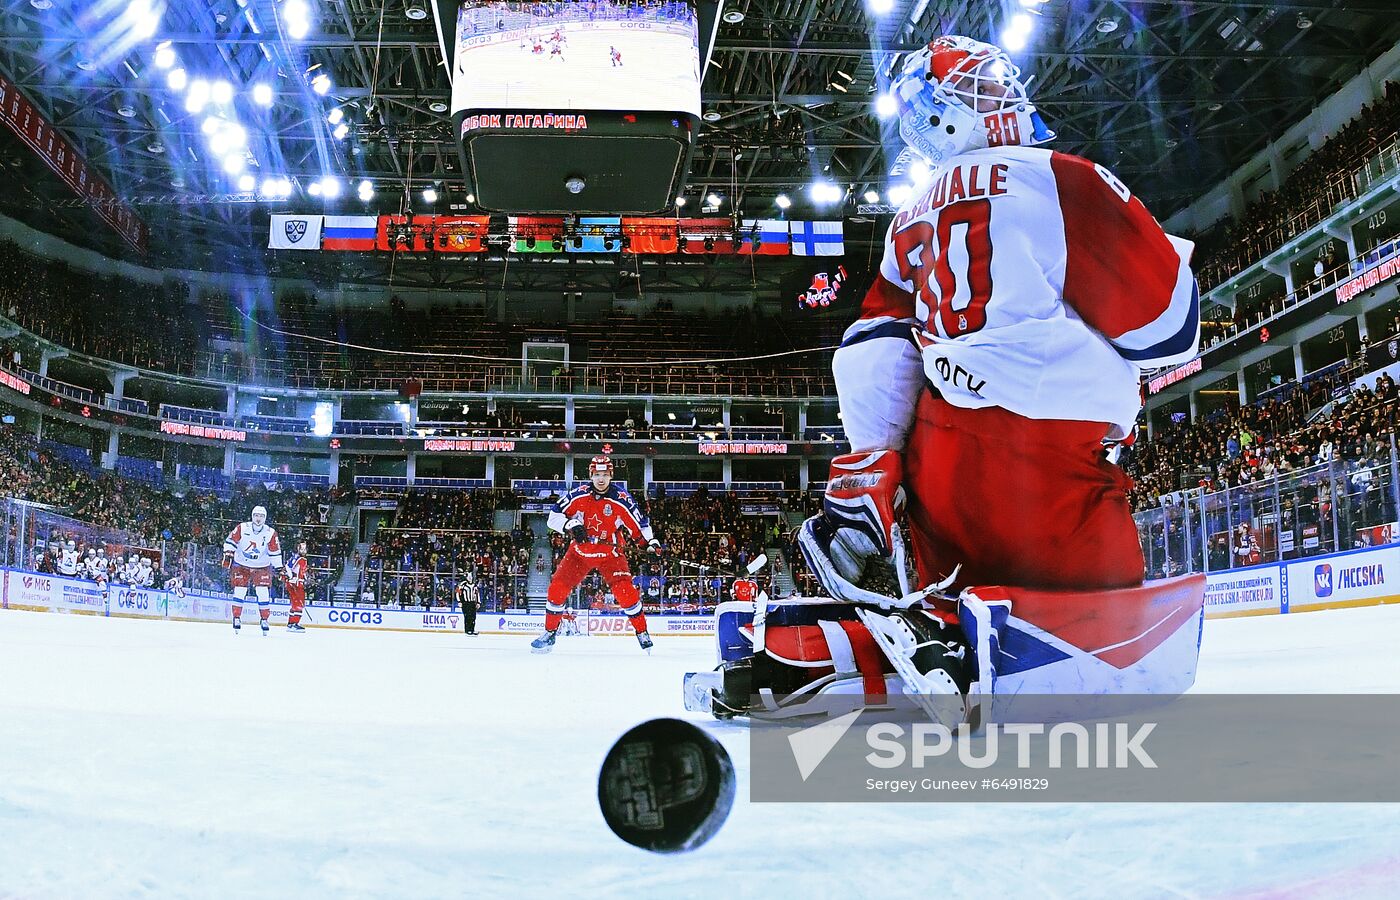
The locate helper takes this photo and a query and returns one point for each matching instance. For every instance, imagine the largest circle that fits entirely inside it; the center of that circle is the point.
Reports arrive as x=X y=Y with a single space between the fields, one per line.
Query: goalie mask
x=958 y=94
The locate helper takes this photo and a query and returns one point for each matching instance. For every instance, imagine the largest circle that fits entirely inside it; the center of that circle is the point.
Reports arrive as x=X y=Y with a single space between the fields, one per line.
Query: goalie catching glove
x=857 y=530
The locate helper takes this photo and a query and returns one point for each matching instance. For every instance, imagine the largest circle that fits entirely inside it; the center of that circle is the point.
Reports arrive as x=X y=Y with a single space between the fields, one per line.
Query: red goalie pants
x=578 y=561
x=1018 y=502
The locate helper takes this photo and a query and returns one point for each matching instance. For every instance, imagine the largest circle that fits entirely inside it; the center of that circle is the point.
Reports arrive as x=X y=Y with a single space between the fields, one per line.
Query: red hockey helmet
x=600 y=465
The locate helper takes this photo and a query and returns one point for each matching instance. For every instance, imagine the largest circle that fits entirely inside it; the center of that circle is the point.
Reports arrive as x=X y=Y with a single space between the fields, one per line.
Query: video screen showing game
x=585 y=55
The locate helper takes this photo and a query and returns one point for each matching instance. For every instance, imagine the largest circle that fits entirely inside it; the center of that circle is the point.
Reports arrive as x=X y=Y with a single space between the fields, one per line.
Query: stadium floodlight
x=782 y=201
x=430 y=195
x=885 y=106
x=237 y=135
x=297 y=17
x=198 y=95
x=262 y=94
x=1017 y=32
x=1032 y=4
x=246 y=183
x=872 y=196
x=145 y=20
x=211 y=124
x=680 y=201
x=330 y=187
x=880 y=7
x=335 y=116
x=366 y=190
x=825 y=192
x=234 y=163
x=176 y=80
x=321 y=84
x=221 y=92
x=165 y=55
x=714 y=200
x=919 y=172
x=314 y=188
x=898 y=193
x=341 y=131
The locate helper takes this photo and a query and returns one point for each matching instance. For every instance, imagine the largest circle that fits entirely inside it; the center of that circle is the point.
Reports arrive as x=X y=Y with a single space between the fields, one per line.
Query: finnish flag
x=817 y=239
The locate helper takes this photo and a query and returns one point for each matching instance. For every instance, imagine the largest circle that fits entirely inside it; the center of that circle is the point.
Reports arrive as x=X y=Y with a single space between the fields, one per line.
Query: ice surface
x=176 y=759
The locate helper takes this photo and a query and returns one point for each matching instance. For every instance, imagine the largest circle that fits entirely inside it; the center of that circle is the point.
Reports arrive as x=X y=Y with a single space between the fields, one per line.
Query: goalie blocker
x=1140 y=640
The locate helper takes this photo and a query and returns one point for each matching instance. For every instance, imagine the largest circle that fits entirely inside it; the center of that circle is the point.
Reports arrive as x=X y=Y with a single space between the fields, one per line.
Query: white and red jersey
x=607 y=517
x=254 y=547
x=1031 y=281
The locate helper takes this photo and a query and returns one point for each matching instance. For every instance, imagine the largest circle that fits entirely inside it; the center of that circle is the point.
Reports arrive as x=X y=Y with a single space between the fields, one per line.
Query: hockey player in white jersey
x=145 y=575
x=253 y=556
x=68 y=559
x=1021 y=294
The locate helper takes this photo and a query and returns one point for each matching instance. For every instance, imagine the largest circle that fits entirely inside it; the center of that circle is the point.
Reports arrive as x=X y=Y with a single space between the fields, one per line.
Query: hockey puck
x=666 y=786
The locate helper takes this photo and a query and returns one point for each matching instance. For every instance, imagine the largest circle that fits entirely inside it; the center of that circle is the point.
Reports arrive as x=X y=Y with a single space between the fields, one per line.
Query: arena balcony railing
x=53 y=385
x=1340 y=505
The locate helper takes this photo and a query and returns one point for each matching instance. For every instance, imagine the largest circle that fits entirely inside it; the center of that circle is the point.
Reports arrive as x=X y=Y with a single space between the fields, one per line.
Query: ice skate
x=265 y=627
x=645 y=641
x=237 y=625
x=544 y=643
x=296 y=627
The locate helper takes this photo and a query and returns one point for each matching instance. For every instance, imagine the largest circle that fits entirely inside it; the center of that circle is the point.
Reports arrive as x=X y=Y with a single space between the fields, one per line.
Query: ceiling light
x=234 y=163
x=886 y=106
x=298 y=30
x=221 y=92
x=321 y=84
x=165 y=56
x=471 y=198
x=176 y=80
x=273 y=187
x=733 y=16
x=416 y=11
x=336 y=115
x=880 y=7
x=1106 y=25
x=1032 y=4
x=341 y=131
x=714 y=200
x=899 y=193
x=366 y=190
x=430 y=195
x=314 y=188
x=919 y=172
x=86 y=65
x=237 y=135
x=680 y=201
x=782 y=201
x=126 y=111
x=711 y=115
x=872 y=196
x=1215 y=106
x=1303 y=22
x=211 y=124
x=41 y=4
x=437 y=106
x=246 y=183
x=330 y=186
x=262 y=94
x=825 y=192
x=155 y=147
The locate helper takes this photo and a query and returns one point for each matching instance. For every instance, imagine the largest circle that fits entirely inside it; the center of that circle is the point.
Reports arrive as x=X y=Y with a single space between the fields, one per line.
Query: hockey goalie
x=996 y=359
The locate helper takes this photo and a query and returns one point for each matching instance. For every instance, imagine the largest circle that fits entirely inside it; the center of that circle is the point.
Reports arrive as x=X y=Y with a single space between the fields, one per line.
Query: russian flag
x=817 y=239
x=764 y=237
x=349 y=232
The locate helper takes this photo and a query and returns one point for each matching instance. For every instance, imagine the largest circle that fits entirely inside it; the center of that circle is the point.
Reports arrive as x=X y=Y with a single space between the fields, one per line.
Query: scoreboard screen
x=580 y=56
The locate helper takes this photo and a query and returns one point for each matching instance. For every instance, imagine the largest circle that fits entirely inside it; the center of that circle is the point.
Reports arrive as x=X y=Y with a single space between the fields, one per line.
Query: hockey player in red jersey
x=252 y=555
x=745 y=590
x=295 y=575
x=598 y=516
x=1021 y=295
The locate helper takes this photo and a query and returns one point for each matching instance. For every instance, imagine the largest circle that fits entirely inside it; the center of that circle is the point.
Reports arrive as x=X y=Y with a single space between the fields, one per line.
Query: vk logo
x=1322 y=580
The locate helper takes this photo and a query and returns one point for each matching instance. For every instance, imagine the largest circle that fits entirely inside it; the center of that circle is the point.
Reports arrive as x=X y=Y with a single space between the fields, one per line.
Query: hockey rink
x=151 y=758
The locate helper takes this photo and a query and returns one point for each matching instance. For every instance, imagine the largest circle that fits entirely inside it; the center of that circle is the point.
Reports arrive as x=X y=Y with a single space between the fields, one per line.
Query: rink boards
x=1364 y=577
x=56 y=593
